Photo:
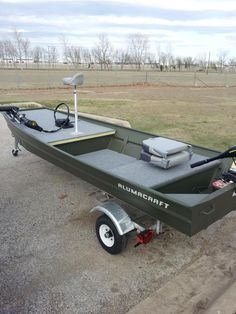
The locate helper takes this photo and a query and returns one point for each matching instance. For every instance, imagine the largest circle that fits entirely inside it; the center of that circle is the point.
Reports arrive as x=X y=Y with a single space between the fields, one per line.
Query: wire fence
x=52 y=78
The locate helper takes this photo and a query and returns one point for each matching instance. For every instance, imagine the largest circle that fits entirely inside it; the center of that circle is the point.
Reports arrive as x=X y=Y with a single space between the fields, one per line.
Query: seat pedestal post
x=76 y=80
x=76 y=110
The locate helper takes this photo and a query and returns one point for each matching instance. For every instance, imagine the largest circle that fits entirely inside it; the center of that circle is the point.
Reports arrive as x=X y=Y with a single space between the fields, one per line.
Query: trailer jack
x=16 y=149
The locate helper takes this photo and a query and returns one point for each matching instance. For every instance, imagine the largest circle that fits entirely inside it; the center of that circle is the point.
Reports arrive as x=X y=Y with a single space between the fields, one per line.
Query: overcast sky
x=192 y=27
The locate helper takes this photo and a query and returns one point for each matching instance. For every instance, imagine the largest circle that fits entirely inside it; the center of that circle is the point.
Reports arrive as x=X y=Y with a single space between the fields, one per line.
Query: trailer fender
x=118 y=216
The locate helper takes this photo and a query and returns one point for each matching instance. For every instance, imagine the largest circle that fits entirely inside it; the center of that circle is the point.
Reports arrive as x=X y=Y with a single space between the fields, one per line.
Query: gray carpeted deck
x=45 y=118
x=138 y=171
x=106 y=159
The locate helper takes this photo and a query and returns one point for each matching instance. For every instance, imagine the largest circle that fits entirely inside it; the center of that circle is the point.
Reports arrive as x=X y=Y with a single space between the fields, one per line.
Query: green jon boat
x=188 y=198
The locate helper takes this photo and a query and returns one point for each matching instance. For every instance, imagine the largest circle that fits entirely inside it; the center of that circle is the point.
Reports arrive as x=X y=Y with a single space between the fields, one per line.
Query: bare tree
x=159 y=53
x=52 y=55
x=87 y=57
x=202 y=61
x=164 y=58
x=74 y=55
x=179 y=63
x=18 y=40
x=222 y=59
x=38 y=55
x=10 y=51
x=188 y=63
x=213 y=66
x=122 y=57
x=163 y=61
x=21 y=47
x=232 y=61
x=65 y=45
x=232 y=64
x=151 y=60
x=103 y=51
x=170 y=61
x=26 y=50
x=7 y=51
x=138 y=46
x=2 y=52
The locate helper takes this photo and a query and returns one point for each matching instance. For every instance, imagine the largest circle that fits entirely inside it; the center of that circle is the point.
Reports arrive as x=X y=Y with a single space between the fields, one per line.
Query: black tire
x=104 y=226
x=15 y=152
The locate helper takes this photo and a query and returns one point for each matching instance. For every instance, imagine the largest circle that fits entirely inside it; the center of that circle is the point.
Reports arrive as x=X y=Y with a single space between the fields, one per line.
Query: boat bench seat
x=138 y=171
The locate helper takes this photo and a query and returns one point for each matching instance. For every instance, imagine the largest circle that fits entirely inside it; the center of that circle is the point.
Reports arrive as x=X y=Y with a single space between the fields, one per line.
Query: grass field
x=53 y=78
x=204 y=116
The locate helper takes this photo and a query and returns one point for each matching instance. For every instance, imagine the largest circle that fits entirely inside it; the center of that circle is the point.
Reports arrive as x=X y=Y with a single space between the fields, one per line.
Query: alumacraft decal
x=143 y=195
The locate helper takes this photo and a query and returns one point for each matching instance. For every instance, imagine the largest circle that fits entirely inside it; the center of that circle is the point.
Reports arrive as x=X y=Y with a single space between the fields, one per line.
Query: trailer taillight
x=145 y=236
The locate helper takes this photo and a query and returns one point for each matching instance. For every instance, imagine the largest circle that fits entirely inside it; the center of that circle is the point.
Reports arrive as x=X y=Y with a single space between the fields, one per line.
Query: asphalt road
x=51 y=261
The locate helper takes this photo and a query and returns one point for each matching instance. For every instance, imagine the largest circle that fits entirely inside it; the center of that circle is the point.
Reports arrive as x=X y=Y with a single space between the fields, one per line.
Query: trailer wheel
x=108 y=235
x=15 y=152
